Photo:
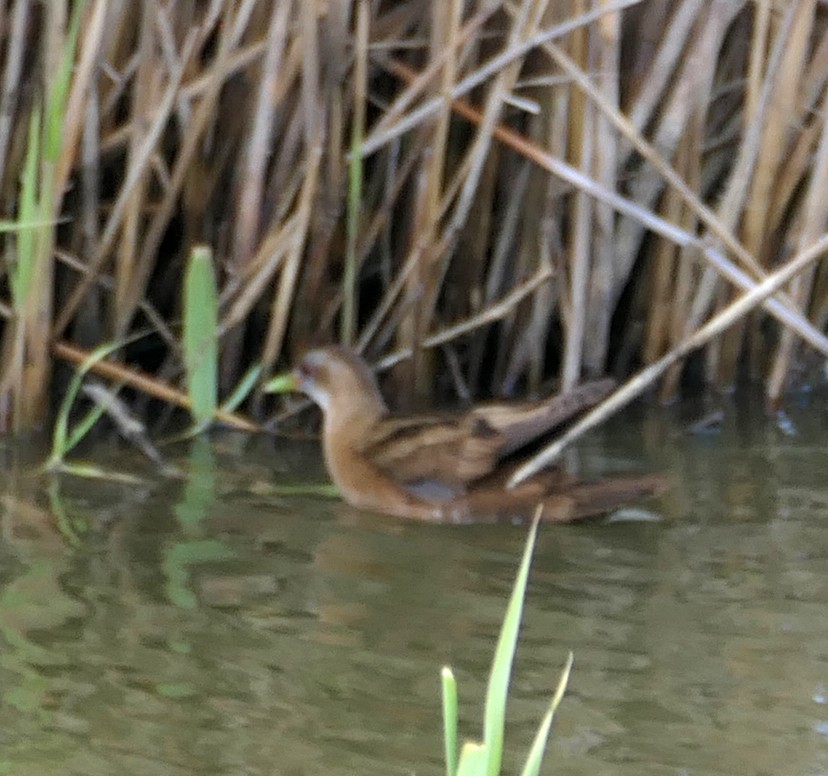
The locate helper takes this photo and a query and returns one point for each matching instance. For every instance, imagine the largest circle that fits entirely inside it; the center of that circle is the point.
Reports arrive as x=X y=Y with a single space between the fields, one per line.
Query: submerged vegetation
x=490 y=194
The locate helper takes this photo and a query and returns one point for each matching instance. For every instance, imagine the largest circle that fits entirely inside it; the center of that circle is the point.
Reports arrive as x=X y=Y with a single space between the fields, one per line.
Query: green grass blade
x=23 y=226
x=315 y=490
x=59 y=514
x=198 y=498
x=498 y=687
x=60 y=435
x=90 y=471
x=28 y=211
x=59 y=88
x=82 y=428
x=473 y=759
x=243 y=388
x=450 y=719
x=536 y=752
x=200 y=341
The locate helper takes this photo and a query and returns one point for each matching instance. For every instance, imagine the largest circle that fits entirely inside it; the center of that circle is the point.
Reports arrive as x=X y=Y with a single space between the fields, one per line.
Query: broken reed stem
x=493 y=312
x=147 y=384
x=646 y=377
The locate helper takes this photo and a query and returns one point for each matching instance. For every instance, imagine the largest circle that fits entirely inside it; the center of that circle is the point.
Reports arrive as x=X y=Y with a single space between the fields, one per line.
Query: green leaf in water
x=180 y=558
x=60 y=434
x=536 y=752
x=498 y=687
x=473 y=759
x=90 y=471
x=321 y=490
x=199 y=494
x=175 y=691
x=450 y=719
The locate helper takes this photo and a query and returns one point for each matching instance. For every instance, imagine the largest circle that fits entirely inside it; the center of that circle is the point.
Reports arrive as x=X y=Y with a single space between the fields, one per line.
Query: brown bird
x=447 y=467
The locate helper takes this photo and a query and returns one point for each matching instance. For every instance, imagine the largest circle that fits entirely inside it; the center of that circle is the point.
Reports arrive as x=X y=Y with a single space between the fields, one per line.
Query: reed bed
x=486 y=194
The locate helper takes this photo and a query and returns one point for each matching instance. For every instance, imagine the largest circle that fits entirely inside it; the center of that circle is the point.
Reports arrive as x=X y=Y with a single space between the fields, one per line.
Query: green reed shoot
x=200 y=335
x=450 y=719
x=28 y=211
x=484 y=759
x=243 y=388
x=62 y=439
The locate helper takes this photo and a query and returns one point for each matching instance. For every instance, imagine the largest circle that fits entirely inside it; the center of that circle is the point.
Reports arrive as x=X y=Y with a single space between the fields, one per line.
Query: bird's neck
x=353 y=413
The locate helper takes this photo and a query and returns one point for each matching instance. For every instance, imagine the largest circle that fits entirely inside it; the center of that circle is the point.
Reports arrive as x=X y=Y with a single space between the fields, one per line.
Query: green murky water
x=212 y=627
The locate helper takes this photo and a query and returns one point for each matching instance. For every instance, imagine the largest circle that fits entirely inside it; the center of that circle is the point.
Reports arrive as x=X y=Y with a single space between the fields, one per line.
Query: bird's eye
x=307 y=370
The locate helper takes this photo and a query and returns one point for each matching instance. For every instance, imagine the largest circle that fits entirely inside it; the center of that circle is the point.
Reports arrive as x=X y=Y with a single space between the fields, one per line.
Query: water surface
x=212 y=626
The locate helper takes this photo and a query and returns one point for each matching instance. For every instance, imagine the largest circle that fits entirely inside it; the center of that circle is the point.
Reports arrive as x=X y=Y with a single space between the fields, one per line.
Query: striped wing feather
x=451 y=450
x=457 y=450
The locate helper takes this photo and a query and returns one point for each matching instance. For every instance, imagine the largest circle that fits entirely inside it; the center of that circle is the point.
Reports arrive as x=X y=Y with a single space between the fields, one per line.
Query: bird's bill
x=283 y=383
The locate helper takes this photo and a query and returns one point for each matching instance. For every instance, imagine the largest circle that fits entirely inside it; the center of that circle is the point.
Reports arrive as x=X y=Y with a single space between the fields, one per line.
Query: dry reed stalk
x=773 y=147
x=662 y=284
x=230 y=32
x=814 y=221
x=134 y=175
x=651 y=85
x=807 y=122
x=718 y=263
x=260 y=270
x=333 y=202
x=313 y=123
x=12 y=71
x=89 y=45
x=382 y=135
x=722 y=230
x=692 y=83
x=493 y=312
x=247 y=224
x=525 y=25
x=686 y=270
x=416 y=377
x=582 y=132
x=291 y=265
x=732 y=202
x=147 y=384
x=604 y=281
x=350 y=286
x=502 y=272
x=146 y=95
x=87 y=326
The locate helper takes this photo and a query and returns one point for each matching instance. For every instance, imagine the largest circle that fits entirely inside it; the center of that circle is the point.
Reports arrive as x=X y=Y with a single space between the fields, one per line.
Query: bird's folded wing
x=518 y=424
x=451 y=451
x=454 y=451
